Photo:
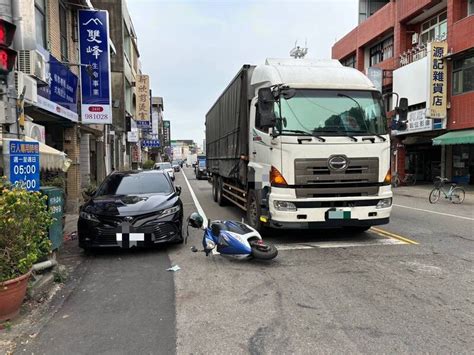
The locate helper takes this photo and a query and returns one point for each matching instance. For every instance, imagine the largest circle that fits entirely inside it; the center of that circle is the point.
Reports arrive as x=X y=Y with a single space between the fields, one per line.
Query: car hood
x=129 y=205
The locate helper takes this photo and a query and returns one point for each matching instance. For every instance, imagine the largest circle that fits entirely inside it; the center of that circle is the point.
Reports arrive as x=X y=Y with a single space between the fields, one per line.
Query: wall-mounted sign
x=136 y=153
x=151 y=143
x=375 y=75
x=133 y=136
x=24 y=164
x=60 y=95
x=418 y=122
x=143 y=98
x=437 y=80
x=166 y=133
x=95 y=80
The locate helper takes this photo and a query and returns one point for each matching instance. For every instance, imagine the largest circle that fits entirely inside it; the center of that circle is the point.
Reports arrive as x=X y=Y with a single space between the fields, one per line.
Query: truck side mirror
x=265 y=106
x=402 y=109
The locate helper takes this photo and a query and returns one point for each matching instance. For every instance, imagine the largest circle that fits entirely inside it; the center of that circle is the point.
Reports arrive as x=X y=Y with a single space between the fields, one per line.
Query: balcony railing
x=418 y=52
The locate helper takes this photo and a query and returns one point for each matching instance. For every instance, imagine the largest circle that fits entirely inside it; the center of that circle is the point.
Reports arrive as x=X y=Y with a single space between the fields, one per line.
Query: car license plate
x=132 y=237
x=339 y=214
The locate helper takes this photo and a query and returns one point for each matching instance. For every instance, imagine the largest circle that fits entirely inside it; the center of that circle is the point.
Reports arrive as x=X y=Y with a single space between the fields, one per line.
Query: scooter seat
x=217 y=227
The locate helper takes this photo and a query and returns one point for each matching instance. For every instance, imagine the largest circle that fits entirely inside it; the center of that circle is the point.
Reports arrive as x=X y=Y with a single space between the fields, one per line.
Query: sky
x=192 y=49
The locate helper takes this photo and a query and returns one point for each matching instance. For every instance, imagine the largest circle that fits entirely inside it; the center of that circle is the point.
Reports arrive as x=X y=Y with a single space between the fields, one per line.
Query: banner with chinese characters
x=95 y=70
x=143 y=98
x=437 y=80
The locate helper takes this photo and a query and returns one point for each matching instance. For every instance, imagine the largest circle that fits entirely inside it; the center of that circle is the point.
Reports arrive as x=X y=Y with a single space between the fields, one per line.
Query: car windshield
x=332 y=112
x=135 y=184
x=163 y=166
x=175 y=163
x=202 y=163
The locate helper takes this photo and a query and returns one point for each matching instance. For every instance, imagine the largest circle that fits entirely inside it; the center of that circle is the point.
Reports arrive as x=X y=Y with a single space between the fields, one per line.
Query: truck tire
x=214 y=188
x=220 y=188
x=254 y=211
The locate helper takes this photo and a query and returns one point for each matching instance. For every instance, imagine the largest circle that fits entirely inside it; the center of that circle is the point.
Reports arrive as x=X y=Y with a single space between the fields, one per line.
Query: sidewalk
x=424 y=190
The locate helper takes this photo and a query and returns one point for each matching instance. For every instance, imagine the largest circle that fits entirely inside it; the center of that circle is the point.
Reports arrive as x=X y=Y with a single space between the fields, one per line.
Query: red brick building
x=397 y=36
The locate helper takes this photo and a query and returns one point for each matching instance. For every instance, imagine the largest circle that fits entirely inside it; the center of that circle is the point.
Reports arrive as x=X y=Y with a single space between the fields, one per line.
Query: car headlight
x=384 y=203
x=89 y=216
x=284 y=206
x=170 y=211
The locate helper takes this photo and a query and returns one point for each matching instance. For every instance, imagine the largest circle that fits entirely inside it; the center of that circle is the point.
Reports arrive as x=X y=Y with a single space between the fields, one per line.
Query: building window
x=435 y=29
x=40 y=22
x=349 y=61
x=463 y=75
x=127 y=43
x=63 y=32
x=470 y=7
x=381 y=51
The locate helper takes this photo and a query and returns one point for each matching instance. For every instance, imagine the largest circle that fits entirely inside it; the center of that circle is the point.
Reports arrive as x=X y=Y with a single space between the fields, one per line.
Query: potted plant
x=24 y=222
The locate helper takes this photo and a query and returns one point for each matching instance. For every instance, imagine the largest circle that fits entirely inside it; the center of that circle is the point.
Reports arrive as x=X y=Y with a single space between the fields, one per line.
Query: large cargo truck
x=300 y=143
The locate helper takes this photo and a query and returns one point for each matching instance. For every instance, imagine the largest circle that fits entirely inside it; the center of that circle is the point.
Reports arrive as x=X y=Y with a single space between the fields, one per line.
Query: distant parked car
x=200 y=169
x=166 y=167
x=132 y=208
x=176 y=166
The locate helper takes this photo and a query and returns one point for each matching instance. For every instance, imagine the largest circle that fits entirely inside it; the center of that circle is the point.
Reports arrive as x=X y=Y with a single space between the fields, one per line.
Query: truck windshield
x=332 y=112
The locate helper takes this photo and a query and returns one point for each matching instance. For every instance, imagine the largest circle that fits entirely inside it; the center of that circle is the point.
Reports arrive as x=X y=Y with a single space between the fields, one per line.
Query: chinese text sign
x=24 y=164
x=143 y=98
x=437 y=84
x=95 y=69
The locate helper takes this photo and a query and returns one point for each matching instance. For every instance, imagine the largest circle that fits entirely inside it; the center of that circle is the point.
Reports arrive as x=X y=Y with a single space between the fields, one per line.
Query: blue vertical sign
x=24 y=164
x=94 y=51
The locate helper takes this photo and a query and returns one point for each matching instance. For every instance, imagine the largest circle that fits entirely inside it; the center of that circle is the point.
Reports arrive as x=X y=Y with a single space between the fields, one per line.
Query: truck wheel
x=254 y=211
x=214 y=188
x=220 y=187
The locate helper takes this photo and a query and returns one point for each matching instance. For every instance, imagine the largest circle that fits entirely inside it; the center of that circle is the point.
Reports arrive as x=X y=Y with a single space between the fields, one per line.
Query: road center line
x=440 y=213
x=198 y=206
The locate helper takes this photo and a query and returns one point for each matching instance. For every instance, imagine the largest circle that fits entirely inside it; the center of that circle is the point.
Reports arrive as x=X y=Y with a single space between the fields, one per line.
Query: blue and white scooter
x=232 y=238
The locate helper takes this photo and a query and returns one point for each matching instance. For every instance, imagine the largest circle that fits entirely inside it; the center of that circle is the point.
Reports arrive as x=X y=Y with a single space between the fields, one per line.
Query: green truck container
x=55 y=204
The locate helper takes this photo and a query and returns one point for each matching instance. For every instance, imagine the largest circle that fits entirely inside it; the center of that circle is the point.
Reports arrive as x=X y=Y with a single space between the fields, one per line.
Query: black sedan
x=133 y=208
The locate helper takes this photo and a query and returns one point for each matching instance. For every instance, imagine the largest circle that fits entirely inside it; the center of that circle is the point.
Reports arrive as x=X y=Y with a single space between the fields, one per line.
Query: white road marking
x=435 y=212
x=198 y=206
x=339 y=244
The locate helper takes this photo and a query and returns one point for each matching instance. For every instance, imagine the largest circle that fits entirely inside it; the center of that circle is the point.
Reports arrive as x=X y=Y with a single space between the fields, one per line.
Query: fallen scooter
x=231 y=238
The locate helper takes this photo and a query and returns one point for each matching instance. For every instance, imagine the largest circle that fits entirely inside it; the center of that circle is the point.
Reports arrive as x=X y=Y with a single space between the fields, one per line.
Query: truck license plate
x=340 y=214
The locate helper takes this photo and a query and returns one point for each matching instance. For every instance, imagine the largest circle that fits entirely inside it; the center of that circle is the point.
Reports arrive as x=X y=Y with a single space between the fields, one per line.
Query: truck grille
x=360 y=178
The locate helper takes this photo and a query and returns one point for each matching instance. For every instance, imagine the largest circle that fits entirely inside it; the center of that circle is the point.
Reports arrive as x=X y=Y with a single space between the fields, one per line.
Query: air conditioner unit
x=32 y=62
x=35 y=131
x=414 y=38
x=25 y=81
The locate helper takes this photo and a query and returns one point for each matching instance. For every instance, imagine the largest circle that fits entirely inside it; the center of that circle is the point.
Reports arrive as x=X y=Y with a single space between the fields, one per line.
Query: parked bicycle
x=408 y=179
x=455 y=194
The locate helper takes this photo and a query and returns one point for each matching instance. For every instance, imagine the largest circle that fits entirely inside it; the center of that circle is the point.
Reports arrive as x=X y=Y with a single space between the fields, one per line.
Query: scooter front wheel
x=263 y=251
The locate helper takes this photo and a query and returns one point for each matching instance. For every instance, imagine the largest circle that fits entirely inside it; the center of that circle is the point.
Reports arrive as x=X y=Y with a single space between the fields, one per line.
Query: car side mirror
x=402 y=109
x=178 y=190
x=265 y=106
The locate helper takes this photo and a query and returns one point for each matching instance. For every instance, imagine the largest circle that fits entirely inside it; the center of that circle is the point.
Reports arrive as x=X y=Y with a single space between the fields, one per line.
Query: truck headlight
x=169 y=211
x=384 y=203
x=284 y=206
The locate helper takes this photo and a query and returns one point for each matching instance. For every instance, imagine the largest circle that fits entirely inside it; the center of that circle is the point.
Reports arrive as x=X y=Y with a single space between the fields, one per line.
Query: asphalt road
x=333 y=293
x=327 y=292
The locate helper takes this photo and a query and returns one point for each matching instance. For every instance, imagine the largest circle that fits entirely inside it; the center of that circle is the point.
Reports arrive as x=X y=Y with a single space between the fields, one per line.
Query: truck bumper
x=329 y=213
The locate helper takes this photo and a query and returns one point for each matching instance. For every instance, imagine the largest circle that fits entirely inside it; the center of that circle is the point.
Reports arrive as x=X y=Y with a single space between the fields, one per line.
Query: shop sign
x=151 y=143
x=136 y=153
x=418 y=122
x=375 y=75
x=132 y=136
x=437 y=80
x=166 y=133
x=60 y=95
x=143 y=98
x=155 y=121
x=24 y=164
x=94 y=51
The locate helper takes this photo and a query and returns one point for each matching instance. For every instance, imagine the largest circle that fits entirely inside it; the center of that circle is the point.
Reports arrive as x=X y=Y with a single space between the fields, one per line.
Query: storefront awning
x=455 y=137
x=50 y=158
